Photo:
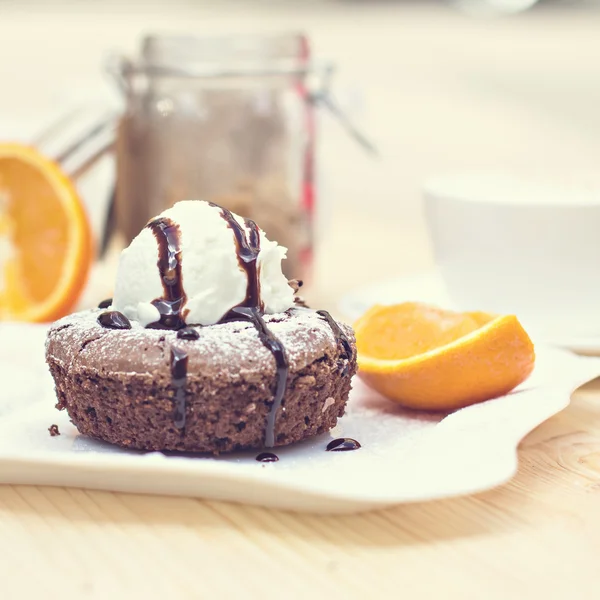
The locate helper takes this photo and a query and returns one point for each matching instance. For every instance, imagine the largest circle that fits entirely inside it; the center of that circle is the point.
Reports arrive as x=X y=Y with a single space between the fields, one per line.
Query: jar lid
x=282 y=55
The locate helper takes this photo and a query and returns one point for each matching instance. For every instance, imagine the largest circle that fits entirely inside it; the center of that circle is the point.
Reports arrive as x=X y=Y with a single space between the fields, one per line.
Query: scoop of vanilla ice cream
x=213 y=280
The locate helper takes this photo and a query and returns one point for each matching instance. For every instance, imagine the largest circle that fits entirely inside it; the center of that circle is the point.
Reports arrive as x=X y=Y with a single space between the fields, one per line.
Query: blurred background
x=433 y=86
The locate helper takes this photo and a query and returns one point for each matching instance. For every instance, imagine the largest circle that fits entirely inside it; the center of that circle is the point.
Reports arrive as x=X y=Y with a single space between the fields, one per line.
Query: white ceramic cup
x=506 y=245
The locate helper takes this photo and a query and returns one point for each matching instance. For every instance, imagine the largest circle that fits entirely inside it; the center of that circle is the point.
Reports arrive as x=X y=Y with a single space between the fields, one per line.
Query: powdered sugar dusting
x=235 y=346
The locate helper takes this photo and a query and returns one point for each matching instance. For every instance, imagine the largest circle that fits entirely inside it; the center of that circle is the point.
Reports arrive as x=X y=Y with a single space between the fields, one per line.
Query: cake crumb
x=299 y=301
x=53 y=429
x=295 y=284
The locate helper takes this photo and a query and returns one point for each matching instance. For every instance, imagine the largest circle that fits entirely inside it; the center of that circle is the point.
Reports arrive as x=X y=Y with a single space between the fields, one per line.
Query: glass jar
x=224 y=119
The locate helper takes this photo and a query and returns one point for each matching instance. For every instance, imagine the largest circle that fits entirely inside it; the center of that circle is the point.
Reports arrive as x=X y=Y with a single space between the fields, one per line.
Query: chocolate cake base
x=116 y=385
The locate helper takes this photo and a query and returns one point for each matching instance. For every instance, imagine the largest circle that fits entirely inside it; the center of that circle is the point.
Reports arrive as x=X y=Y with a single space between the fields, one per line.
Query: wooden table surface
x=444 y=93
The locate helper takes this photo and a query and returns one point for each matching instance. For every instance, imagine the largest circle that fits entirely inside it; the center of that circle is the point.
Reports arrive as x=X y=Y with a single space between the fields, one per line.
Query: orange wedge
x=432 y=359
x=45 y=239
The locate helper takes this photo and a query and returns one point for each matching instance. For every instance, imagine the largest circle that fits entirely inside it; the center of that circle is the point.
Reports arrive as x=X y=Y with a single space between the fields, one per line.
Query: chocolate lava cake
x=249 y=381
x=123 y=385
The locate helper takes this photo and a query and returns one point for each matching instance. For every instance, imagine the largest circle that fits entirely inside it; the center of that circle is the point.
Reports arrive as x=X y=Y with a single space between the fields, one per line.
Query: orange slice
x=45 y=239
x=432 y=359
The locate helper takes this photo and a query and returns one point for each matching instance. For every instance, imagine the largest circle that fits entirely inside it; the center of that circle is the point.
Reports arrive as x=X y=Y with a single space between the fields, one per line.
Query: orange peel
x=45 y=237
x=428 y=358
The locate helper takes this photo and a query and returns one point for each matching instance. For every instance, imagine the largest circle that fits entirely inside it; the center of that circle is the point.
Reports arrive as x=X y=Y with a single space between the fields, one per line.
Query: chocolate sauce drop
x=179 y=363
x=340 y=337
x=170 y=306
x=105 y=303
x=267 y=457
x=342 y=445
x=247 y=242
x=188 y=333
x=114 y=320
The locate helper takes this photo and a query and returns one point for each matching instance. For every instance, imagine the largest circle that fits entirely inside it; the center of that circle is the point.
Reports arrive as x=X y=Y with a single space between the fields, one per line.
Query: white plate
x=428 y=287
x=405 y=456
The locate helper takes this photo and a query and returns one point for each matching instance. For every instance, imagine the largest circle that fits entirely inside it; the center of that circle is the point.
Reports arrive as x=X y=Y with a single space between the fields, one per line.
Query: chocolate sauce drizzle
x=114 y=320
x=251 y=314
x=170 y=306
x=179 y=363
x=340 y=337
x=342 y=445
x=247 y=245
x=247 y=242
x=267 y=457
